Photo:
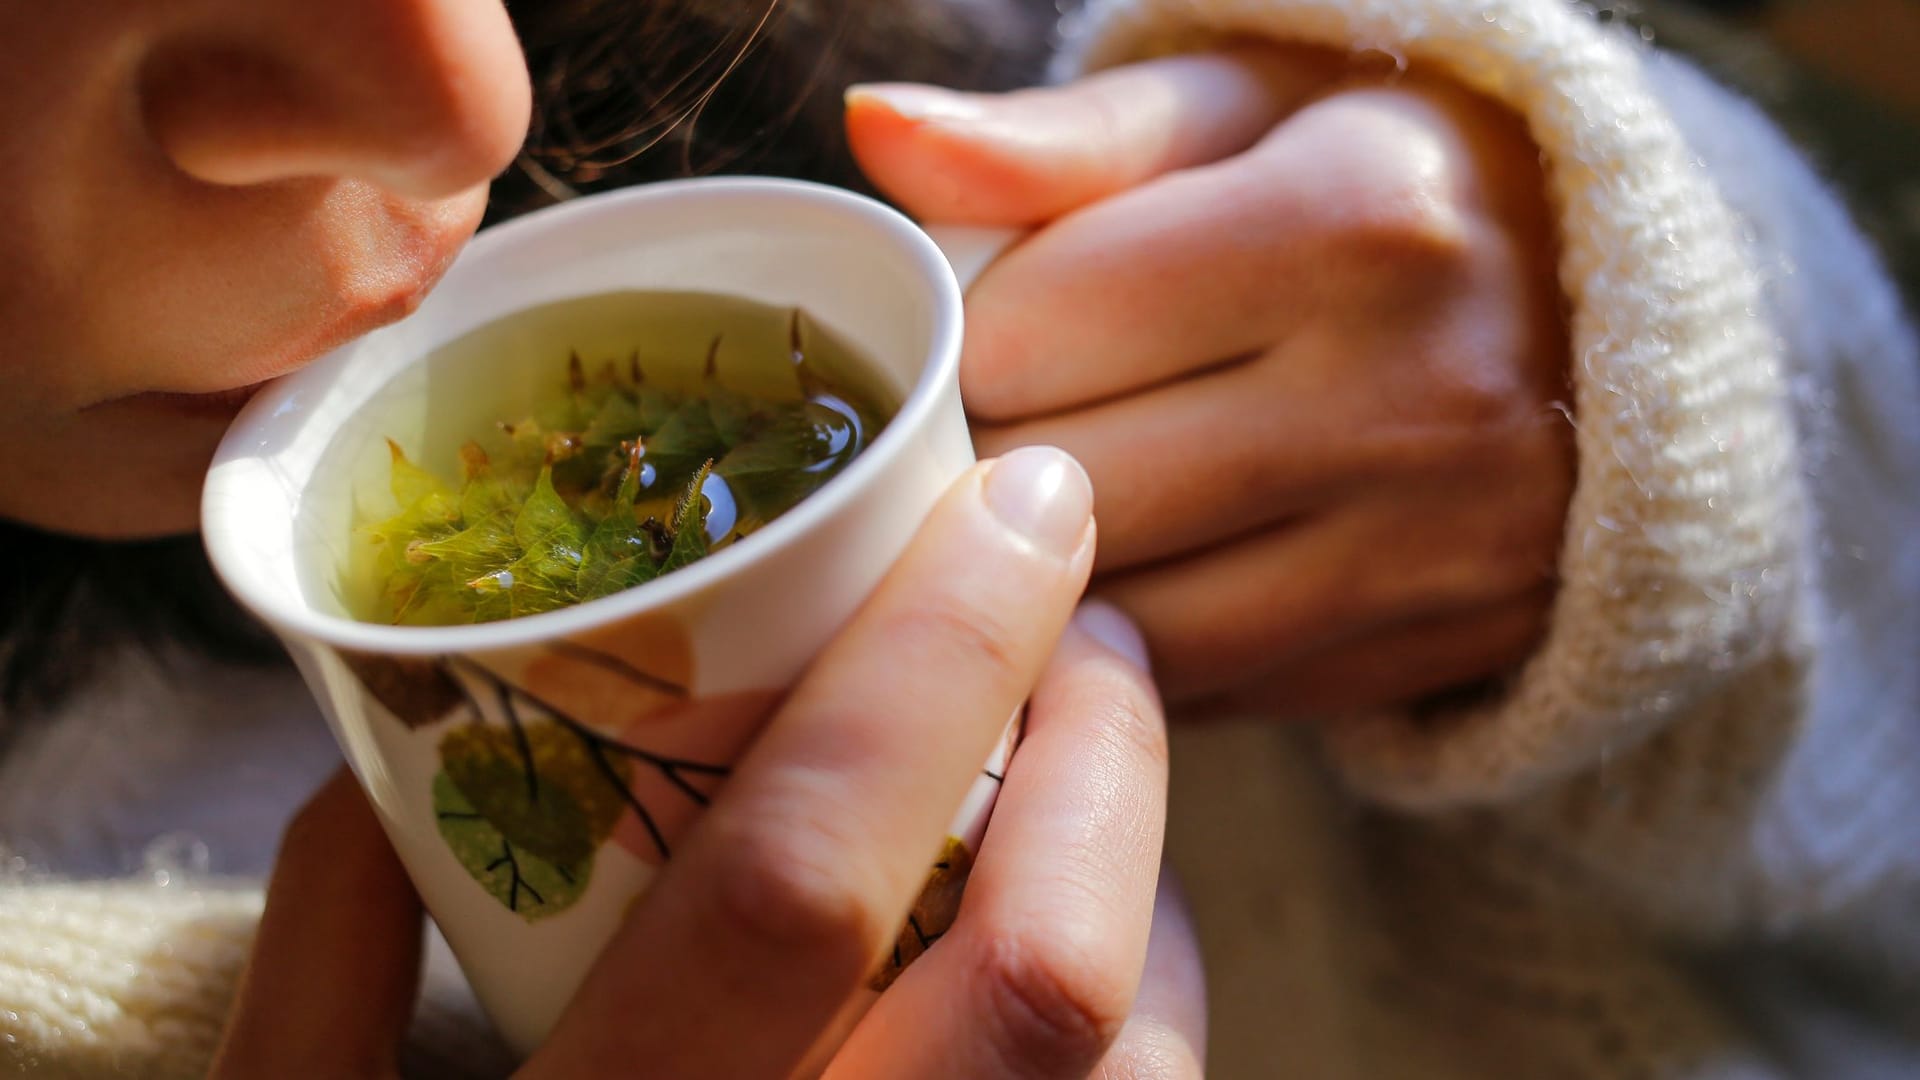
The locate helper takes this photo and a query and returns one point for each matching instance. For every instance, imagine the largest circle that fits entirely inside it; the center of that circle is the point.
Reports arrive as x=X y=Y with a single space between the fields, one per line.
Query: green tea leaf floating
x=617 y=420
x=542 y=577
x=655 y=406
x=472 y=551
x=690 y=523
x=426 y=506
x=528 y=885
x=484 y=493
x=619 y=554
x=414 y=488
x=544 y=518
x=687 y=437
x=621 y=474
x=735 y=417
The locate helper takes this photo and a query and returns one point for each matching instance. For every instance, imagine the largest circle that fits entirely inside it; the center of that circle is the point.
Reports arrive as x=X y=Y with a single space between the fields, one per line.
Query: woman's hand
x=742 y=959
x=1301 y=323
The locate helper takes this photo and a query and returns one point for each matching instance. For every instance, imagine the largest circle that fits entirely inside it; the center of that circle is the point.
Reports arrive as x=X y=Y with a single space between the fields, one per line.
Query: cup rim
x=815 y=512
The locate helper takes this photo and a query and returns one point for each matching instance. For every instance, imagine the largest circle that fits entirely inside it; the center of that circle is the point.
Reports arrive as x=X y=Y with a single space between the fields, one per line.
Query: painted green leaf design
x=525 y=883
x=538 y=785
x=546 y=822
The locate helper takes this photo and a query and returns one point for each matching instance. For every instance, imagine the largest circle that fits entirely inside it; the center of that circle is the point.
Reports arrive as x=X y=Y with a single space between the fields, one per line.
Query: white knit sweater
x=1679 y=846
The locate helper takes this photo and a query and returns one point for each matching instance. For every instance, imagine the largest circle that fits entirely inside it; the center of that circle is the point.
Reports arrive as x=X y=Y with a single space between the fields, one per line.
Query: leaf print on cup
x=580 y=740
x=536 y=784
x=417 y=692
x=574 y=741
x=688 y=740
x=528 y=885
x=632 y=679
x=608 y=681
x=932 y=915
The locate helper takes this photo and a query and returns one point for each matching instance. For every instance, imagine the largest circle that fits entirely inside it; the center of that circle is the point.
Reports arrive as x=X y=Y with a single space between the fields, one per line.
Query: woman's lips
x=218 y=404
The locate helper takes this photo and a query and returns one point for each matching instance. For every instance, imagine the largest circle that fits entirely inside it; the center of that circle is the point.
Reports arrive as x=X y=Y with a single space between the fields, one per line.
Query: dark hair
x=67 y=601
x=626 y=91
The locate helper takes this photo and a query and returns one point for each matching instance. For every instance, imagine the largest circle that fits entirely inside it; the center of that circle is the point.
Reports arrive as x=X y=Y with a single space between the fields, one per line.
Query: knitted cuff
x=1682 y=561
x=118 y=978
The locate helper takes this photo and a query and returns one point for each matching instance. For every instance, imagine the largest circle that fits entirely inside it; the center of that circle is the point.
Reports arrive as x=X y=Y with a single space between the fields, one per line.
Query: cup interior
x=279 y=506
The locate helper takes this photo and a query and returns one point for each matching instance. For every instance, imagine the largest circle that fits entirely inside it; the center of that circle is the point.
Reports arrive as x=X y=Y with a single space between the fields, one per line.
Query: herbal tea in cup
x=669 y=425
x=547 y=618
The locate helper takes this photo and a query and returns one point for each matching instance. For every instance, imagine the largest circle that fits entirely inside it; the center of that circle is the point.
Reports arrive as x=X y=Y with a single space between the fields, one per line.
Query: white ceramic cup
x=622 y=714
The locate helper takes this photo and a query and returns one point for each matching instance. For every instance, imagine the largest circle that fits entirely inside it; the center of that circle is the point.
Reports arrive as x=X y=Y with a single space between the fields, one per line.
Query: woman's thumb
x=1027 y=157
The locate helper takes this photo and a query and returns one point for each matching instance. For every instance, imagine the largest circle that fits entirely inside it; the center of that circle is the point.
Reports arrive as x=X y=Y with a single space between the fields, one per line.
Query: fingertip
x=933 y=153
x=1112 y=628
x=337 y=818
x=336 y=959
x=913 y=102
x=888 y=141
x=997 y=377
x=1044 y=496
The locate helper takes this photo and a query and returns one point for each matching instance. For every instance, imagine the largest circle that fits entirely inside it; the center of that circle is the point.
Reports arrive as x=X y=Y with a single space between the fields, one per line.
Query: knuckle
x=950 y=630
x=1394 y=213
x=1464 y=378
x=1474 y=388
x=994 y=365
x=1408 y=229
x=1050 y=1005
x=793 y=890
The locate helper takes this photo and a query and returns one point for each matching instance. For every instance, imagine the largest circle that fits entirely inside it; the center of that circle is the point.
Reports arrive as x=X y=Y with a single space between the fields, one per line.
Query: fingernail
x=1043 y=494
x=1110 y=626
x=914 y=101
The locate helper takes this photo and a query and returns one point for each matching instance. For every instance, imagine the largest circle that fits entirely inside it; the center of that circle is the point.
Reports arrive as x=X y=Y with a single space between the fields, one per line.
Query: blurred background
x=1842 y=75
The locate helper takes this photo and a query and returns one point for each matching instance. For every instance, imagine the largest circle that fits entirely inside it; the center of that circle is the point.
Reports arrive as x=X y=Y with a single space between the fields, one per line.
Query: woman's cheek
x=272 y=284
x=131 y=358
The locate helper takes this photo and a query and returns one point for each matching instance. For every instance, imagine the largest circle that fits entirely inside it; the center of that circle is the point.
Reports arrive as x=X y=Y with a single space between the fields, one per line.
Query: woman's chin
x=146 y=514
x=219 y=405
x=127 y=470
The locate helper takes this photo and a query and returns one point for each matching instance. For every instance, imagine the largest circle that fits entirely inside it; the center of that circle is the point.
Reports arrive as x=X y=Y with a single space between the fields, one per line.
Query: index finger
x=1027 y=157
x=329 y=987
x=787 y=892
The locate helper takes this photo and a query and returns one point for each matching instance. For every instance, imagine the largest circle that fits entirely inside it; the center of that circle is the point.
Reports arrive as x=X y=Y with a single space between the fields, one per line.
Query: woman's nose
x=424 y=98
